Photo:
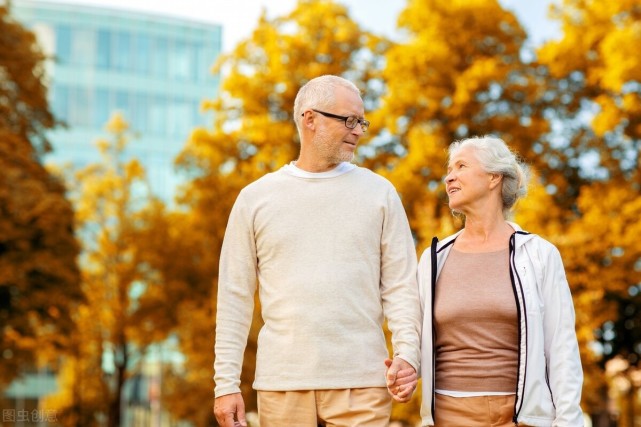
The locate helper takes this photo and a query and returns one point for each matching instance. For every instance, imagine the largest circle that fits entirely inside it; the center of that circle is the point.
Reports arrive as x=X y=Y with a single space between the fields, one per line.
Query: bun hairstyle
x=496 y=157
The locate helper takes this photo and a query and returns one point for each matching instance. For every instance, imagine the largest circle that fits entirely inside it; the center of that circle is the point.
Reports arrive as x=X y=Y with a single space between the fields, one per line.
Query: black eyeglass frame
x=354 y=120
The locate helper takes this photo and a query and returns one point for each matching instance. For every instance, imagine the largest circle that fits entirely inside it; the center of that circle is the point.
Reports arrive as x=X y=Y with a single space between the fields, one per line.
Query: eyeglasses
x=350 y=121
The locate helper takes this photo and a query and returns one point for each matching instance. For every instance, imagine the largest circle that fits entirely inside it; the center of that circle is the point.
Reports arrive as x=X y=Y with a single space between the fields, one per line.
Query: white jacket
x=550 y=377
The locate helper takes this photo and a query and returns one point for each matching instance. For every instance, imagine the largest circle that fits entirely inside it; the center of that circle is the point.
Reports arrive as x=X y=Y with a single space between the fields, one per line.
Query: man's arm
x=399 y=289
x=235 y=304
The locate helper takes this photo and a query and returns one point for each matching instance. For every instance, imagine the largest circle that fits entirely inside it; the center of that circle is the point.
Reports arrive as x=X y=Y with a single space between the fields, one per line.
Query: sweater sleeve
x=235 y=303
x=399 y=289
x=561 y=346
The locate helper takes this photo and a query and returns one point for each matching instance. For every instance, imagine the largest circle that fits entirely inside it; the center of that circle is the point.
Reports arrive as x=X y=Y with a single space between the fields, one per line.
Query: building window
x=82 y=46
x=158 y=115
x=179 y=120
x=79 y=110
x=181 y=61
x=140 y=114
x=142 y=54
x=103 y=51
x=122 y=52
x=60 y=103
x=123 y=104
x=102 y=108
x=159 y=57
x=63 y=44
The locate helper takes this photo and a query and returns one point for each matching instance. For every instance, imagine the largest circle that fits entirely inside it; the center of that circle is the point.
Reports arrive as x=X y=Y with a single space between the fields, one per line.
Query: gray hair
x=319 y=93
x=496 y=157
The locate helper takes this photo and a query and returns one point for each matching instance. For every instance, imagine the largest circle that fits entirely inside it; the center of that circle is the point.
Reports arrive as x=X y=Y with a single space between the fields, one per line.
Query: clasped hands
x=401 y=379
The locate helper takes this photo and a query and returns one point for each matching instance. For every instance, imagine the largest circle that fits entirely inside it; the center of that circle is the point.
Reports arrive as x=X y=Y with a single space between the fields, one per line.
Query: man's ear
x=308 y=120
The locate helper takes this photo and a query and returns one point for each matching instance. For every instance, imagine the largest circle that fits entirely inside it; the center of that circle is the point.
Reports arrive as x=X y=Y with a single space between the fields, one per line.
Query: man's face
x=333 y=141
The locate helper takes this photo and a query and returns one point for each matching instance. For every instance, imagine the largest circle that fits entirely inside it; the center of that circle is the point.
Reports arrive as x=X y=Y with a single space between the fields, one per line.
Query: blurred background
x=128 y=128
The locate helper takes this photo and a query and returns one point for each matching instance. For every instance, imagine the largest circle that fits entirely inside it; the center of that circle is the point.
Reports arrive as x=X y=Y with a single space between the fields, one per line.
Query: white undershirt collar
x=342 y=168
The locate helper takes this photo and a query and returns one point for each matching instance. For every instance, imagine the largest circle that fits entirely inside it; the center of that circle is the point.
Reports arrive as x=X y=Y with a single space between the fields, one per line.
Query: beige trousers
x=482 y=411
x=369 y=407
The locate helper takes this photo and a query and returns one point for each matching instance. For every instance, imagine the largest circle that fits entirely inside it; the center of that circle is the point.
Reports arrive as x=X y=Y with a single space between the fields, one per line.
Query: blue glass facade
x=155 y=69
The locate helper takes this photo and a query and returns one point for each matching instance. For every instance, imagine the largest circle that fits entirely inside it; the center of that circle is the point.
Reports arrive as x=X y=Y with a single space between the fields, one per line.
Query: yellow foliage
x=111 y=199
x=597 y=58
x=117 y=124
x=459 y=74
x=39 y=280
x=619 y=51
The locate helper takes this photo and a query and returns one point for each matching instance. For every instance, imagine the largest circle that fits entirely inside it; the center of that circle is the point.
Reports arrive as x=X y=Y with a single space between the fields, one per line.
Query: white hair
x=319 y=93
x=496 y=157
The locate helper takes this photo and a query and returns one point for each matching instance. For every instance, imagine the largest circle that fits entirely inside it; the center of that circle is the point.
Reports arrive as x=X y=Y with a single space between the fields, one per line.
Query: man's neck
x=314 y=167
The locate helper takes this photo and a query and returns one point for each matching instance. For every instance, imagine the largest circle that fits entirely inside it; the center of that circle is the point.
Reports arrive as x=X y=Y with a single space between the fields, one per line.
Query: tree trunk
x=115 y=408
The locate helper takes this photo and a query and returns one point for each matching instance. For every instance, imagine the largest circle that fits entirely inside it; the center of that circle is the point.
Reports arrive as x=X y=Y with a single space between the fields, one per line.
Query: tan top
x=476 y=324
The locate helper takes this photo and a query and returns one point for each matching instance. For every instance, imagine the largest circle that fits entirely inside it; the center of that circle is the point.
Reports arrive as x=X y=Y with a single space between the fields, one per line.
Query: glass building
x=156 y=70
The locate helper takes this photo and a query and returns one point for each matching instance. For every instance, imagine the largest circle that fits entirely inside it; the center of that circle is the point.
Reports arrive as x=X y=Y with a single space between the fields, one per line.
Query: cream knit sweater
x=332 y=255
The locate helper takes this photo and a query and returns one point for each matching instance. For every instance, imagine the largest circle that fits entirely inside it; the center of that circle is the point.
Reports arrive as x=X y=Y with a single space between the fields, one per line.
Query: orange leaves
x=600 y=45
x=619 y=51
x=458 y=74
x=112 y=202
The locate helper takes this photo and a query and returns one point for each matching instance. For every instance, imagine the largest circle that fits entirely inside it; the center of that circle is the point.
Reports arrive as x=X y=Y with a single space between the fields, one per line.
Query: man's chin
x=347 y=157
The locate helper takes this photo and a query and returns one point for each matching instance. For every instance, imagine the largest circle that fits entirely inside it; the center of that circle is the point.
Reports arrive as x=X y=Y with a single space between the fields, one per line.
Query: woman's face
x=467 y=184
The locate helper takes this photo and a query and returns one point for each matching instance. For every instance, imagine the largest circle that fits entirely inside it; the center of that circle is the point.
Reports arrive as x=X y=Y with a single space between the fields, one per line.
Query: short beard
x=331 y=156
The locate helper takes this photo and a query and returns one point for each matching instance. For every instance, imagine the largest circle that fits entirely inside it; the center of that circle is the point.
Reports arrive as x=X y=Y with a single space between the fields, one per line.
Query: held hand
x=228 y=406
x=401 y=379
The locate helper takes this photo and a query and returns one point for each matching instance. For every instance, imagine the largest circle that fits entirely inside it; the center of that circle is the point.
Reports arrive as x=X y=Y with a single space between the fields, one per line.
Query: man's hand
x=401 y=379
x=228 y=406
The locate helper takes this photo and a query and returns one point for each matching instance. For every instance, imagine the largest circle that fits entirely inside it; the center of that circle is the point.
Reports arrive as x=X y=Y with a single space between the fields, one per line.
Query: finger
x=406 y=380
x=392 y=373
x=391 y=378
x=401 y=399
x=227 y=421
x=405 y=392
x=406 y=372
x=240 y=415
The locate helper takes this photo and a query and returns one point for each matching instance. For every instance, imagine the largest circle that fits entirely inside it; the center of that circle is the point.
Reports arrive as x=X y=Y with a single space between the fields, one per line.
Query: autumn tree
x=595 y=78
x=458 y=74
x=112 y=200
x=253 y=133
x=599 y=74
x=39 y=278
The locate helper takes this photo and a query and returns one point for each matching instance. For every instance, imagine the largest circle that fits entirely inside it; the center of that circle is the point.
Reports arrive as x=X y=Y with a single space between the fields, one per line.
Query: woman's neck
x=484 y=235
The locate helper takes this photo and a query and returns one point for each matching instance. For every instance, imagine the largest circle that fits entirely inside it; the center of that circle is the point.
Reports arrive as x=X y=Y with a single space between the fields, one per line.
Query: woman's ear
x=495 y=180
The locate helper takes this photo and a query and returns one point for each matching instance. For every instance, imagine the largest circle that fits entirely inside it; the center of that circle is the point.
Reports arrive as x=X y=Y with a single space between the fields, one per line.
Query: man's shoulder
x=375 y=177
x=264 y=181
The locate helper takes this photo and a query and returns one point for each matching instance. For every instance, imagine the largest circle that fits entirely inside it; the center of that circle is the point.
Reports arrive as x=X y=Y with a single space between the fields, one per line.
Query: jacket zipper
x=434 y=261
x=521 y=318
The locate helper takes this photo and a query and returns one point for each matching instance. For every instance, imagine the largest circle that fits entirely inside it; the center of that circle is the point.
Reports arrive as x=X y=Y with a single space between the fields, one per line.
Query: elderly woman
x=498 y=343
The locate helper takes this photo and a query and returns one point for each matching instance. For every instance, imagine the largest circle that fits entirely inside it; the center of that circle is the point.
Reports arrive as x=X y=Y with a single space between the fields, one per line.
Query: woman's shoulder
x=439 y=244
x=540 y=247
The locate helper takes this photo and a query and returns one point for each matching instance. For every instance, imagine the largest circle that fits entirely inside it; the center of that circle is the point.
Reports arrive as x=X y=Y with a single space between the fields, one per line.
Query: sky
x=239 y=17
